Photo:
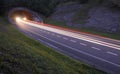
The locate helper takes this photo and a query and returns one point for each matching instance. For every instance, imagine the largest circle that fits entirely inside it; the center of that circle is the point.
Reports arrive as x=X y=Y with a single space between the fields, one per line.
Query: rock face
x=104 y=19
x=101 y=18
x=65 y=13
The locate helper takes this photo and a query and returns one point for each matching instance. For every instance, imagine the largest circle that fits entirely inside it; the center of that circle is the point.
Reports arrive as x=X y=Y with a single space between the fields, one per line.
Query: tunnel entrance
x=24 y=13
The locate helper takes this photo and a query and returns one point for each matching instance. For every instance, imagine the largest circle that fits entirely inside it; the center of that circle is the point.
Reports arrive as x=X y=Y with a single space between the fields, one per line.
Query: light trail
x=73 y=35
x=25 y=18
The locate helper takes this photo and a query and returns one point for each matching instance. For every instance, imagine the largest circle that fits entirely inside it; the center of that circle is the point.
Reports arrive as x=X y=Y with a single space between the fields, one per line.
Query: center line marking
x=65 y=38
x=83 y=44
x=53 y=34
x=44 y=31
x=112 y=53
x=58 y=36
x=48 y=32
x=30 y=34
x=39 y=39
x=95 y=48
x=73 y=41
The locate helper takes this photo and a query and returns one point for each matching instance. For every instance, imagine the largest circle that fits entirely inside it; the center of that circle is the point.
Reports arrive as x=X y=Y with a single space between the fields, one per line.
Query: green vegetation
x=86 y=30
x=23 y=55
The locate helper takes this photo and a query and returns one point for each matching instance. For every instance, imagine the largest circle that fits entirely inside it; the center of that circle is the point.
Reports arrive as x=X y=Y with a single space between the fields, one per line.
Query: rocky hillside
x=100 y=17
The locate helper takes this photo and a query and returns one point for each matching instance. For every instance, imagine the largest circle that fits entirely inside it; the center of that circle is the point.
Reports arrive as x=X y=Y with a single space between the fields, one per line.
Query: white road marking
x=52 y=45
x=30 y=34
x=73 y=41
x=53 y=34
x=65 y=38
x=58 y=36
x=58 y=48
x=48 y=44
x=40 y=30
x=48 y=32
x=96 y=48
x=44 y=31
x=85 y=53
x=39 y=39
x=83 y=44
x=112 y=53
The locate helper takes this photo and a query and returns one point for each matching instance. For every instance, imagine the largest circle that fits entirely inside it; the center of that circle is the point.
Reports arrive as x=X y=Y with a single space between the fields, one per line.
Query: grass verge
x=20 y=54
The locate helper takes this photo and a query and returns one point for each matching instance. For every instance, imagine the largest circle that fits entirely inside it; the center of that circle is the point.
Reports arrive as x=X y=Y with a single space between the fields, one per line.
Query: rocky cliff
x=101 y=18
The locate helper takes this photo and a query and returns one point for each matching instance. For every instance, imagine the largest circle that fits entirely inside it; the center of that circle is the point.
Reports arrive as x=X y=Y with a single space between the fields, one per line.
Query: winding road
x=102 y=53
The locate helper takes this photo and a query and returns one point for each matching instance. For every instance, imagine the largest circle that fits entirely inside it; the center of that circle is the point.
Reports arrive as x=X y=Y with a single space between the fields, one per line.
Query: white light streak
x=74 y=35
x=17 y=19
x=24 y=18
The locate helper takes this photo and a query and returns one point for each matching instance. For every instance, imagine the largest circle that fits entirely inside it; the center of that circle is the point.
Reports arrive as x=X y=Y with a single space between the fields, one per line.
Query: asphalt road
x=102 y=53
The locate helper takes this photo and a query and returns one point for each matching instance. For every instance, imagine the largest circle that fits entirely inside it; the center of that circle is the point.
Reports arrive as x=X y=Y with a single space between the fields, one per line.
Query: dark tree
x=1 y=7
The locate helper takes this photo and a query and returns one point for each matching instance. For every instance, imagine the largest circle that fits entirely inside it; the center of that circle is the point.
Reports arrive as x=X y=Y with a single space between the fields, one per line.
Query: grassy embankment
x=20 y=54
x=83 y=15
